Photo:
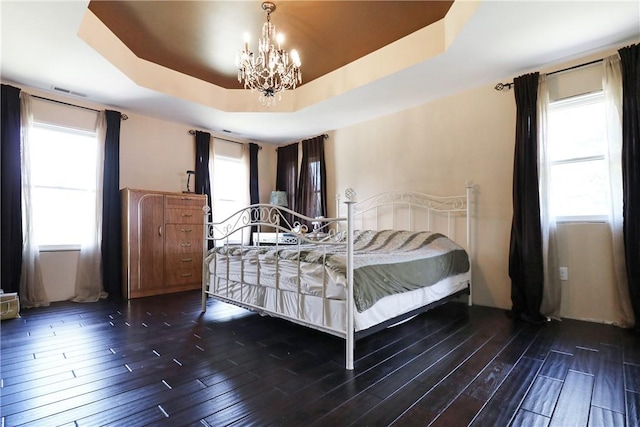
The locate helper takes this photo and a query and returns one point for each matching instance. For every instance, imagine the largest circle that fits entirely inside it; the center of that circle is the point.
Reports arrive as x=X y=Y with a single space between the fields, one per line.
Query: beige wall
x=590 y=293
x=436 y=148
x=154 y=154
x=59 y=274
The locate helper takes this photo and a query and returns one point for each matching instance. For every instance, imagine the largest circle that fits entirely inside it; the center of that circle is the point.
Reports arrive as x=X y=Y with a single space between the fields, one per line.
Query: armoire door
x=151 y=241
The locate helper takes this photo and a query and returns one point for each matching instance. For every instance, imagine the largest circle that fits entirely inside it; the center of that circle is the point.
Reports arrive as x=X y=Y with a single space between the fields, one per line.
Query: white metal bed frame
x=331 y=231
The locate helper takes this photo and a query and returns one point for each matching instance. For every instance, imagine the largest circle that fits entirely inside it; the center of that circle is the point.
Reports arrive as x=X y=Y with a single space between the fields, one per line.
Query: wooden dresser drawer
x=184 y=216
x=188 y=201
x=184 y=260
x=180 y=273
x=183 y=239
x=183 y=268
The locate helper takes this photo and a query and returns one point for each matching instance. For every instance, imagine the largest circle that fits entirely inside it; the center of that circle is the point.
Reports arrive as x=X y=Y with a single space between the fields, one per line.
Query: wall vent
x=69 y=92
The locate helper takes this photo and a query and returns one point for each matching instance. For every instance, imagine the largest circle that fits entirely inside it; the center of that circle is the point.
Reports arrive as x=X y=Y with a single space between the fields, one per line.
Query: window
x=230 y=194
x=577 y=148
x=315 y=198
x=63 y=182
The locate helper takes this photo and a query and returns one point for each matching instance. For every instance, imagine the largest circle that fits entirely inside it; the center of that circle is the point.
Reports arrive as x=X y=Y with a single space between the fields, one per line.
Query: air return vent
x=69 y=92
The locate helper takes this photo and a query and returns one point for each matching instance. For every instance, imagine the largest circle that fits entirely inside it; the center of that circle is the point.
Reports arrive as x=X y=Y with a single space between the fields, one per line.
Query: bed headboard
x=407 y=210
x=399 y=210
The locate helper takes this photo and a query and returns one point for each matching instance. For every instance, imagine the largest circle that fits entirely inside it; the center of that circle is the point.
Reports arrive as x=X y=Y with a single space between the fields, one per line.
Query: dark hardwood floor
x=158 y=362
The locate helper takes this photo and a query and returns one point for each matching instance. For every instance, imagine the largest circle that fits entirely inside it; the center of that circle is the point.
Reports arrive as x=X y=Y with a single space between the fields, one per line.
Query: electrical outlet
x=564 y=273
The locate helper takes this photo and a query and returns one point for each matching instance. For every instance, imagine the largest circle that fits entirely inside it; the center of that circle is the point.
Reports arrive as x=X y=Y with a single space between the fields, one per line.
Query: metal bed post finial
x=350 y=194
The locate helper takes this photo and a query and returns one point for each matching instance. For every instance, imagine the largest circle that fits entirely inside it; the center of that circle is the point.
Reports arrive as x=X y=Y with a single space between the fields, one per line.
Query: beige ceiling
x=200 y=38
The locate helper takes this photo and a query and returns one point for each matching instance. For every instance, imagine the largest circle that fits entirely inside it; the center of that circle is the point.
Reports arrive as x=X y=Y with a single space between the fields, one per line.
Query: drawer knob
x=186 y=215
x=187 y=274
x=186 y=259
x=185 y=245
x=187 y=230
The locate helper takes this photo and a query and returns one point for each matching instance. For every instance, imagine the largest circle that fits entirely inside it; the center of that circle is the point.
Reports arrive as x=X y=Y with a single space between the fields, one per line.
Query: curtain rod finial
x=503 y=86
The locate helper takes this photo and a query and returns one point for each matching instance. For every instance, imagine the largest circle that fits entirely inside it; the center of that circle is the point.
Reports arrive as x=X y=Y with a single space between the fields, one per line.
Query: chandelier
x=272 y=70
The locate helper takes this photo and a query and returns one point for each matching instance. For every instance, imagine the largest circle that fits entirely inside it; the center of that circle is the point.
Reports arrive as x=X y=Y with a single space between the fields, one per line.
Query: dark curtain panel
x=312 y=189
x=630 y=62
x=11 y=183
x=111 y=244
x=203 y=182
x=254 y=192
x=287 y=174
x=525 y=251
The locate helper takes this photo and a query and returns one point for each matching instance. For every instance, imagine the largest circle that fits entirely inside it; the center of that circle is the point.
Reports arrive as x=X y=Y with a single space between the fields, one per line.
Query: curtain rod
x=507 y=86
x=324 y=136
x=122 y=116
x=193 y=132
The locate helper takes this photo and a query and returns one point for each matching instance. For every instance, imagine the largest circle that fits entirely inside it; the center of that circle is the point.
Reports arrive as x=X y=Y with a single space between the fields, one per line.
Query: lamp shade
x=279 y=198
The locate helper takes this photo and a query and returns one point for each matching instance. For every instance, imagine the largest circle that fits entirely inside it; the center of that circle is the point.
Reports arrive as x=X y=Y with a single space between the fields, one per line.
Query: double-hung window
x=230 y=183
x=315 y=190
x=229 y=187
x=577 y=149
x=63 y=185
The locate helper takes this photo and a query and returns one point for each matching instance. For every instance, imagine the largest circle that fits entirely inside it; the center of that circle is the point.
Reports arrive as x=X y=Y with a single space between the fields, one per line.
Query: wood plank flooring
x=158 y=361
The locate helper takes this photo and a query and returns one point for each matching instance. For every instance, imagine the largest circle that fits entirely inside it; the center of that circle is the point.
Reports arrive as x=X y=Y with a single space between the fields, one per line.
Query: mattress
x=395 y=272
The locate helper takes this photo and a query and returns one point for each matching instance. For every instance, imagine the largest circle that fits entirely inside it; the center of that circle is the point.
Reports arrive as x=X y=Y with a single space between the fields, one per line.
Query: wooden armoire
x=162 y=242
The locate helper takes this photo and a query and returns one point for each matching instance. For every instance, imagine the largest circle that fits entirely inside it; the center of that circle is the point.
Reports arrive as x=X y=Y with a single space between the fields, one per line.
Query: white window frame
x=564 y=103
x=241 y=201
x=70 y=130
x=317 y=195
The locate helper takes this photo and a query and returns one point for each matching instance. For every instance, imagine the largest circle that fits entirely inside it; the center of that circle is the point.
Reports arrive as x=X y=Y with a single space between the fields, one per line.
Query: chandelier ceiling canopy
x=272 y=69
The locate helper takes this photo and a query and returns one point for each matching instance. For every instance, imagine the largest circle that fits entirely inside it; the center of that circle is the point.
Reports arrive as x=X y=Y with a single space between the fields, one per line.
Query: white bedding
x=314 y=292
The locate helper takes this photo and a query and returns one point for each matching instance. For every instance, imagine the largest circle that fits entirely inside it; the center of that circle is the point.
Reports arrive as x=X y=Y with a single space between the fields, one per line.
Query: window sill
x=596 y=219
x=59 y=248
